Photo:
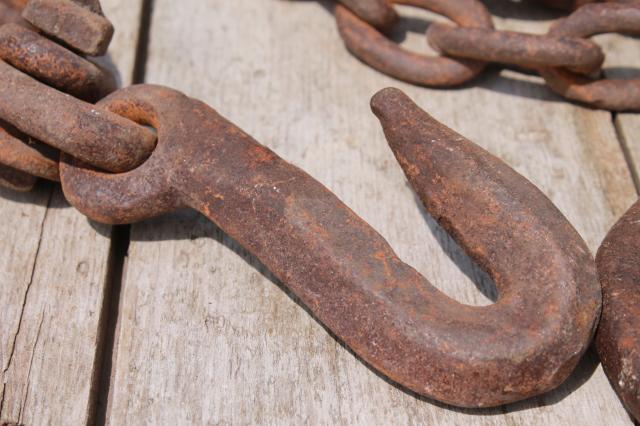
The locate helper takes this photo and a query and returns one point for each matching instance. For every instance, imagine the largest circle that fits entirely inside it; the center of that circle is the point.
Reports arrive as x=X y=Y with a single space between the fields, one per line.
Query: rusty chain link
x=116 y=170
x=11 y=11
x=376 y=12
x=564 y=57
x=78 y=23
x=38 y=73
x=372 y=47
x=592 y=19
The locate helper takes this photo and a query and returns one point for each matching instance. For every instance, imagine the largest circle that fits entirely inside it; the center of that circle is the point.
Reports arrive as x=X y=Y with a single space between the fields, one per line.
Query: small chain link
x=375 y=49
x=78 y=23
x=38 y=116
x=564 y=57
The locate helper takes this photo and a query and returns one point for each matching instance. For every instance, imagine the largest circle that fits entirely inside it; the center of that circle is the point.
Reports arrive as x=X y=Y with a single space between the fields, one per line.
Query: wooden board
x=53 y=266
x=623 y=61
x=205 y=335
x=629 y=132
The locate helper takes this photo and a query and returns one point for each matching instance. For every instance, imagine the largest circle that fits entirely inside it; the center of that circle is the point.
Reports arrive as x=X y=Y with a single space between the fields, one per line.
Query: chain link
x=37 y=71
x=514 y=48
x=376 y=12
x=592 y=19
x=39 y=75
x=564 y=57
x=78 y=23
x=373 y=48
x=31 y=53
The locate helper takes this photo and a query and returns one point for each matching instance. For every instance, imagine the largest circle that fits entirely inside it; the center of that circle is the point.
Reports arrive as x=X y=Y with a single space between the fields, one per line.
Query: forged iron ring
x=23 y=158
x=81 y=129
x=378 y=13
x=589 y=20
x=375 y=49
x=515 y=48
x=33 y=67
x=78 y=23
x=53 y=64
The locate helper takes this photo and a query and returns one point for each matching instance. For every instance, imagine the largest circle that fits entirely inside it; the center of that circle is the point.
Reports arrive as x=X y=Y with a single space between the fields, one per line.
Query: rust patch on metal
x=83 y=130
x=566 y=4
x=509 y=47
x=592 y=19
x=375 y=49
x=576 y=4
x=78 y=23
x=46 y=61
x=347 y=274
x=378 y=13
x=11 y=11
x=618 y=337
x=53 y=64
x=25 y=154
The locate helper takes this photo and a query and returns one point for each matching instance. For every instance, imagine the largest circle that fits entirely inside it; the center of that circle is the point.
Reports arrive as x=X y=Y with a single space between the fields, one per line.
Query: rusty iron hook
x=347 y=274
x=618 y=337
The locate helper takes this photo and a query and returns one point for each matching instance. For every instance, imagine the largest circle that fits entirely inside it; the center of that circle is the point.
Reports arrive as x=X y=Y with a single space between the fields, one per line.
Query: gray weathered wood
x=623 y=60
x=629 y=131
x=53 y=266
x=204 y=335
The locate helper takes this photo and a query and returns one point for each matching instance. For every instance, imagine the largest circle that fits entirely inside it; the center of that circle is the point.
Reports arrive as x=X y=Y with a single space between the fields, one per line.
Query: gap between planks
x=120 y=240
x=625 y=146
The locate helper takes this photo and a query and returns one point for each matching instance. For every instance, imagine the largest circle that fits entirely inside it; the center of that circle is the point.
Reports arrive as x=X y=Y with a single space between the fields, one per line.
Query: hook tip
x=385 y=100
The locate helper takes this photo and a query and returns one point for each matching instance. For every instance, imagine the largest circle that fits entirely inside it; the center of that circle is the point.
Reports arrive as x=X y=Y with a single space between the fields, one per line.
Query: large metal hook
x=347 y=274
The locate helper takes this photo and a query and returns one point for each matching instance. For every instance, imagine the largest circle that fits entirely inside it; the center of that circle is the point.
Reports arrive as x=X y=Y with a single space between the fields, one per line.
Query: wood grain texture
x=53 y=265
x=629 y=131
x=623 y=61
x=205 y=335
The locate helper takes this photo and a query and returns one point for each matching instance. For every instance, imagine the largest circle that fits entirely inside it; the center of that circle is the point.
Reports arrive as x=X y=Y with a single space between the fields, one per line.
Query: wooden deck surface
x=193 y=330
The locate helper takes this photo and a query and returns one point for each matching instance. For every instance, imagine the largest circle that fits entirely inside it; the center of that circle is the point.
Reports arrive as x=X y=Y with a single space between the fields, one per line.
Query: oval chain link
x=565 y=57
x=37 y=115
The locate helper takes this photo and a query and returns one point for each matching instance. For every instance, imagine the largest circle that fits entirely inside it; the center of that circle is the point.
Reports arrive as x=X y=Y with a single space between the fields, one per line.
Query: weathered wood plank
x=629 y=131
x=623 y=61
x=206 y=337
x=53 y=265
